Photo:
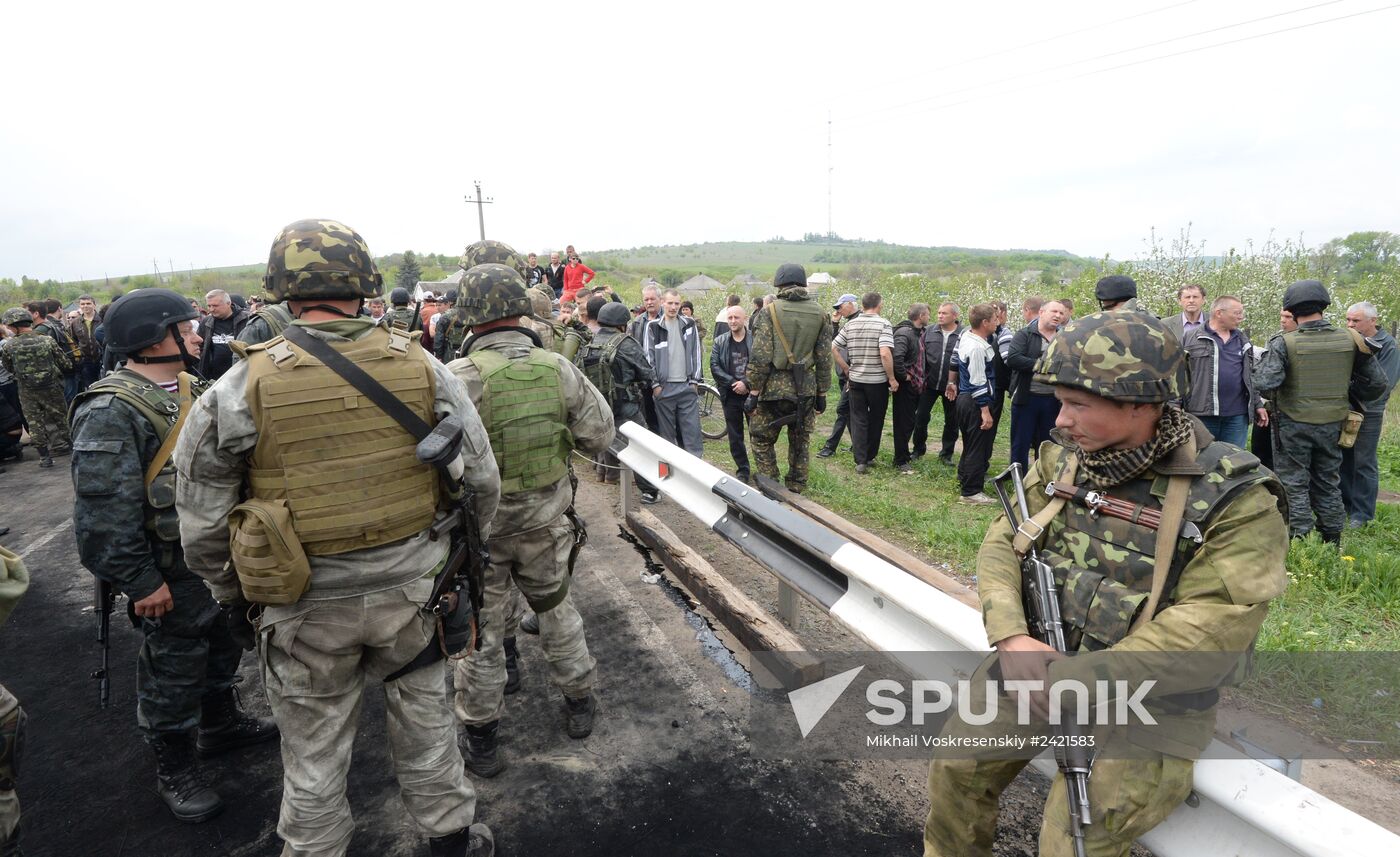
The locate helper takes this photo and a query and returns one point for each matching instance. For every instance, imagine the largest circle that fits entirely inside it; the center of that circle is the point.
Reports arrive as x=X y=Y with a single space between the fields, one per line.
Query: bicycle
x=712 y=422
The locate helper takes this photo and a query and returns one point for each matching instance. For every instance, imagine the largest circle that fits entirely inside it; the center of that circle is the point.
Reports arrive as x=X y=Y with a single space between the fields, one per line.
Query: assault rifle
x=103 y=600
x=468 y=552
x=1041 y=600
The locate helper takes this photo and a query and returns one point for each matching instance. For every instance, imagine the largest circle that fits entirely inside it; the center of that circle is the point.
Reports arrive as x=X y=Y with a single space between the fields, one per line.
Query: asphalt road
x=666 y=771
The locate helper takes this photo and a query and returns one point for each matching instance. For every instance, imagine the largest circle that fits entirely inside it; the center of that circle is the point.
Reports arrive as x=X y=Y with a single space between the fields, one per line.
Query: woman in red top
x=576 y=276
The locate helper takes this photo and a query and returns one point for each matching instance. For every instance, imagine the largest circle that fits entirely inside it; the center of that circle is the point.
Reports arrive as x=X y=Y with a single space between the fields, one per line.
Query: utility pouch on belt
x=1351 y=427
x=271 y=564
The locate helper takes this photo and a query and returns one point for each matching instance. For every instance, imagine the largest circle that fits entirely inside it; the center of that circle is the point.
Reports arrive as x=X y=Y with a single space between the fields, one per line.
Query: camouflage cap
x=1125 y=356
x=488 y=252
x=16 y=317
x=321 y=259
x=490 y=292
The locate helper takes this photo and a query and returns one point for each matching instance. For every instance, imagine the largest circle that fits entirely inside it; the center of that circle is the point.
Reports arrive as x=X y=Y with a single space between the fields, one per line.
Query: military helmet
x=1306 y=292
x=790 y=275
x=321 y=259
x=614 y=314
x=19 y=317
x=1115 y=288
x=144 y=317
x=399 y=296
x=498 y=252
x=490 y=292
x=1127 y=357
x=541 y=302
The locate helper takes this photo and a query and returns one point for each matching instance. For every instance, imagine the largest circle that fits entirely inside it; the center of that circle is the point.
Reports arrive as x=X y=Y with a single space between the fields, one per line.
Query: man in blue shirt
x=1360 y=469
x=1220 y=390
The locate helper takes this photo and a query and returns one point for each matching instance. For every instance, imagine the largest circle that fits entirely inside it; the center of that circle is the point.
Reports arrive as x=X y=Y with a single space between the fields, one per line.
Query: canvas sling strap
x=1031 y=529
x=167 y=447
x=778 y=329
x=360 y=380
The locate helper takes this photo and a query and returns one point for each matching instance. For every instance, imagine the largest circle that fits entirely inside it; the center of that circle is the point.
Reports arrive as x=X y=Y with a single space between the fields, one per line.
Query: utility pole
x=830 y=234
x=156 y=265
x=480 y=211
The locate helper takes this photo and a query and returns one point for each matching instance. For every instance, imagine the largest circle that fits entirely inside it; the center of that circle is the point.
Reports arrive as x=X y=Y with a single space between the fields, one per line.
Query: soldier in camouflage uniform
x=614 y=363
x=1113 y=373
x=538 y=408
x=267 y=323
x=1300 y=374
x=400 y=314
x=39 y=367
x=14 y=580
x=1116 y=291
x=128 y=536
x=294 y=454
x=788 y=375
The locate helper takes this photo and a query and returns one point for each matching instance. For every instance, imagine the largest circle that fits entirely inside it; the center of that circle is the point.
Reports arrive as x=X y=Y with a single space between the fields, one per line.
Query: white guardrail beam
x=1239 y=808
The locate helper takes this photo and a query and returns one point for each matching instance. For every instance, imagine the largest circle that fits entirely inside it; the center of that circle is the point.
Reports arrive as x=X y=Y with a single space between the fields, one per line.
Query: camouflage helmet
x=541 y=302
x=614 y=314
x=498 y=252
x=490 y=292
x=321 y=259
x=1307 y=292
x=790 y=275
x=1115 y=288
x=18 y=317
x=1124 y=356
x=144 y=317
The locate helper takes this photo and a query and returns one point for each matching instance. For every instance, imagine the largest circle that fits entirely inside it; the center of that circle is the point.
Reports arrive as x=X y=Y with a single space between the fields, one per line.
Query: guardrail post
x=629 y=490
x=789 y=605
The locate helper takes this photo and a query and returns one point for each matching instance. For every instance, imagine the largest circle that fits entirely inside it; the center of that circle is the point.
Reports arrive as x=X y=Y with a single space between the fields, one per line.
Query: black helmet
x=790 y=275
x=1307 y=292
x=144 y=317
x=399 y=296
x=452 y=296
x=614 y=314
x=1115 y=289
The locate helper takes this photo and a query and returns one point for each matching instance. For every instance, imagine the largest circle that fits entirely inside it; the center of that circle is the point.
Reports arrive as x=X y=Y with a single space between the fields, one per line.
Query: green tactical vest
x=404 y=318
x=276 y=317
x=35 y=358
x=455 y=332
x=1319 y=368
x=526 y=417
x=161 y=409
x=1103 y=565
x=801 y=322
x=596 y=362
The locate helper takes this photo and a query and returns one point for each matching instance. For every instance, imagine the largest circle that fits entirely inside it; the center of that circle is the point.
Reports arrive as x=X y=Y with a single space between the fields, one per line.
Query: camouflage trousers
x=316 y=658
x=536 y=563
x=47 y=415
x=1127 y=796
x=764 y=434
x=1309 y=464
x=11 y=724
x=186 y=655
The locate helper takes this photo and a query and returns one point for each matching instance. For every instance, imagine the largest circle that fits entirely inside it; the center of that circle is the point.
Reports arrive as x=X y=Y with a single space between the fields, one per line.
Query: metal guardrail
x=1239 y=807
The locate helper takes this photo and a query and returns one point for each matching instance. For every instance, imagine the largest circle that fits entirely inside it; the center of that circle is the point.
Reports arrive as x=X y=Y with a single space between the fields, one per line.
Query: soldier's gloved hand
x=750 y=404
x=240 y=624
x=820 y=406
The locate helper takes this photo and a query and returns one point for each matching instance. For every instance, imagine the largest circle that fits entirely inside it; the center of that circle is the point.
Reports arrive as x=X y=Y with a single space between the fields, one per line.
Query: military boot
x=474 y=841
x=45 y=460
x=580 y=715
x=224 y=725
x=512 y=665
x=482 y=756
x=178 y=781
x=1334 y=539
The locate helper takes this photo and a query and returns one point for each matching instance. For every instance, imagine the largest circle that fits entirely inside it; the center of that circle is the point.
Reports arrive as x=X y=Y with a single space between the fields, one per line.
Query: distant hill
x=770 y=254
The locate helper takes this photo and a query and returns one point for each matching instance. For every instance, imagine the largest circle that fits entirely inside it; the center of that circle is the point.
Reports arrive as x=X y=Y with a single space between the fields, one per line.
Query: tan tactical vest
x=346 y=470
x=1319 y=368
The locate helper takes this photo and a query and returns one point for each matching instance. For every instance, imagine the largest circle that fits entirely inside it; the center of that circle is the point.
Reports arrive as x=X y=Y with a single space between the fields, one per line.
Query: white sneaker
x=978 y=499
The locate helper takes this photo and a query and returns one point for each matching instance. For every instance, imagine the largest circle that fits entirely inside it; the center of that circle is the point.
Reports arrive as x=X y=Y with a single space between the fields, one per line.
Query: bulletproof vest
x=801 y=322
x=455 y=332
x=526 y=417
x=59 y=334
x=276 y=317
x=596 y=362
x=403 y=318
x=161 y=409
x=35 y=359
x=1319 y=368
x=347 y=470
x=543 y=329
x=1103 y=565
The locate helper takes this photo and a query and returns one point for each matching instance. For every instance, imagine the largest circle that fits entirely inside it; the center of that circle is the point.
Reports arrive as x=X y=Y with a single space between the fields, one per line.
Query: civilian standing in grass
x=1220 y=392
x=864 y=349
x=976 y=369
x=940 y=342
x=576 y=276
x=1033 y=404
x=672 y=345
x=1360 y=464
x=909 y=365
x=729 y=362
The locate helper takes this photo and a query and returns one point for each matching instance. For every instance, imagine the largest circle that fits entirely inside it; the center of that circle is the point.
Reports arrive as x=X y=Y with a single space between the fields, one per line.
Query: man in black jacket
x=940 y=383
x=217 y=329
x=909 y=367
x=555 y=275
x=1033 y=404
x=729 y=360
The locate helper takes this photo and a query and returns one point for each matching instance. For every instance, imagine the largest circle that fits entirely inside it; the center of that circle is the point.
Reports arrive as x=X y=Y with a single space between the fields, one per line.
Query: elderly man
x=220 y=327
x=1360 y=470
x=1220 y=390
x=1034 y=407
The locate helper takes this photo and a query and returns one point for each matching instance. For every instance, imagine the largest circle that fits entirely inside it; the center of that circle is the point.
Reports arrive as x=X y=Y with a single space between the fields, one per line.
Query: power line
x=1072 y=63
x=1146 y=60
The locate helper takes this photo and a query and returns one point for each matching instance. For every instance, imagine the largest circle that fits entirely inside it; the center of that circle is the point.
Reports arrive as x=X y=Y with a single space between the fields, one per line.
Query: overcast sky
x=192 y=132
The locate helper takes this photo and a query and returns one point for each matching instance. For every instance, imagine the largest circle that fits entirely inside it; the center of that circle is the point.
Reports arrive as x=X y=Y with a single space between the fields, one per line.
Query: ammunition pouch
x=1351 y=428
x=454 y=631
x=267 y=555
x=1097 y=610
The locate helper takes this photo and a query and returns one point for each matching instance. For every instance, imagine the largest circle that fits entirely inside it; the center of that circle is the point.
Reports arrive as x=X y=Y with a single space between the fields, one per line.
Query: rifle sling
x=360 y=380
x=1030 y=530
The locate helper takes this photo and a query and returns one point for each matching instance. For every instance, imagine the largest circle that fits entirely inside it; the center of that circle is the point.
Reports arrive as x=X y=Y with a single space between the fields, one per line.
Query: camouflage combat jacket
x=773 y=383
x=35 y=360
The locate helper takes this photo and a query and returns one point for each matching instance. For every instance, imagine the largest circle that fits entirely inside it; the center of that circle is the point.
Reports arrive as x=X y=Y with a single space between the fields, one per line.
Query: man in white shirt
x=864 y=349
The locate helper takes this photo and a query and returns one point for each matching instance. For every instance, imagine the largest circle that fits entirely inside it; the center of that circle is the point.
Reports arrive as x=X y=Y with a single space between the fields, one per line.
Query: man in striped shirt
x=975 y=360
x=868 y=361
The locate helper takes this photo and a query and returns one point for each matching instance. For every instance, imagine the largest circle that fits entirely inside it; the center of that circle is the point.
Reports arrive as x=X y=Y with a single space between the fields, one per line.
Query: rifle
x=1041 y=600
x=103 y=601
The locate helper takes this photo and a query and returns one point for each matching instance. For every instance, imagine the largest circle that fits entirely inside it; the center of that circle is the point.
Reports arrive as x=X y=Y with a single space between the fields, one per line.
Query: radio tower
x=830 y=234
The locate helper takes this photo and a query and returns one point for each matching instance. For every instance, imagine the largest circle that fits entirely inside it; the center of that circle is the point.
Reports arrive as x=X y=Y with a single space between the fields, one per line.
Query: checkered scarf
x=1109 y=467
